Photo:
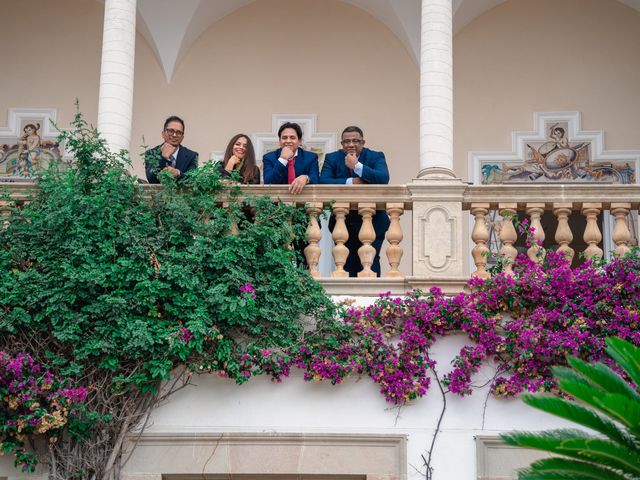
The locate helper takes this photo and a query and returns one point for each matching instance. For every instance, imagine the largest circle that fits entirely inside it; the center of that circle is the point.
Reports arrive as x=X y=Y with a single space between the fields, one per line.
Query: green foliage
x=607 y=405
x=114 y=285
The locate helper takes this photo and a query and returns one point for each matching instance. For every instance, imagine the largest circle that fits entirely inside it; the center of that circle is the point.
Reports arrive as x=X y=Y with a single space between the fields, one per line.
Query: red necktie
x=291 y=170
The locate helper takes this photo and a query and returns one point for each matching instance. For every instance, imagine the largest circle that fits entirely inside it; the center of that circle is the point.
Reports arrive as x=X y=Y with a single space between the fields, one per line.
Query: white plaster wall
x=217 y=405
x=286 y=57
x=50 y=56
x=546 y=55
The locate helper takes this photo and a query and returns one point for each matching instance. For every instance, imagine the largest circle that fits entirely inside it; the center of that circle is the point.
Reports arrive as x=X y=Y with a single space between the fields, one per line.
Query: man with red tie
x=290 y=164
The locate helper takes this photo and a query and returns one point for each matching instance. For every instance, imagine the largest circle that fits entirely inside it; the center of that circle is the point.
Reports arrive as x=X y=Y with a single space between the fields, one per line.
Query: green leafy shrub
x=600 y=400
x=118 y=287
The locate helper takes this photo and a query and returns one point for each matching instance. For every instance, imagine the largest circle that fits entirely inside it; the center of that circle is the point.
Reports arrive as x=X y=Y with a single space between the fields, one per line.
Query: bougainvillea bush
x=525 y=323
x=551 y=311
x=33 y=402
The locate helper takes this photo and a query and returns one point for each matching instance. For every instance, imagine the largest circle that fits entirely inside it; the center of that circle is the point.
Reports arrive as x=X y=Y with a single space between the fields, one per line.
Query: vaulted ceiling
x=171 y=26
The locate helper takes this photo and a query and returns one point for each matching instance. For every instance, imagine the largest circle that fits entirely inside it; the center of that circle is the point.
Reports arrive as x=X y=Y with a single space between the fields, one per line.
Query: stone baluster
x=535 y=212
x=394 y=237
x=592 y=235
x=508 y=236
x=621 y=235
x=366 y=235
x=314 y=235
x=563 y=232
x=340 y=235
x=292 y=237
x=480 y=236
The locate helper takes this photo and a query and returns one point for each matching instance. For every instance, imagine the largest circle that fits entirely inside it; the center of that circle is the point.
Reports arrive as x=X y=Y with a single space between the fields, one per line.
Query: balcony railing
x=430 y=229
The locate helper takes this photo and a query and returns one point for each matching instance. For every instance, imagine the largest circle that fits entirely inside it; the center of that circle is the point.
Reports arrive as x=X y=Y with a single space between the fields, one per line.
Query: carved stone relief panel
x=558 y=150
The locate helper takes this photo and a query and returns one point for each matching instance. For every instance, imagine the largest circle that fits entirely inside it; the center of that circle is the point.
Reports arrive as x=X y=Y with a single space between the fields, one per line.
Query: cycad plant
x=604 y=402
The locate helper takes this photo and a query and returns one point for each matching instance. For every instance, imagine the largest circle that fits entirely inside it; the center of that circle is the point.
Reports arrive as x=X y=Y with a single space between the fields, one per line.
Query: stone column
x=115 y=104
x=437 y=193
x=436 y=90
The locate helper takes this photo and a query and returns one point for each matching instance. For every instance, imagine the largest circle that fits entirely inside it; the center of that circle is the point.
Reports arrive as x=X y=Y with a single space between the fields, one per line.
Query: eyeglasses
x=355 y=141
x=173 y=133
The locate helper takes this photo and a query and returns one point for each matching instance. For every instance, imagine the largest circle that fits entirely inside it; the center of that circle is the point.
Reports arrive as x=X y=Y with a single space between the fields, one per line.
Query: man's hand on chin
x=286 y=153
x=350 y=160
x=167 y=150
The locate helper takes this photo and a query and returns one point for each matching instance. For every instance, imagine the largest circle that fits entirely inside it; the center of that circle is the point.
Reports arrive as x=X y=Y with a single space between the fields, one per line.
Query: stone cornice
x=549 y=194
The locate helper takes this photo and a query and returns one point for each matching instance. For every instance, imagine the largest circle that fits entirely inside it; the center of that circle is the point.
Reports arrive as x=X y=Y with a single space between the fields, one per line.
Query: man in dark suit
x=170 y=156
x=354 y=165
x=290 y=164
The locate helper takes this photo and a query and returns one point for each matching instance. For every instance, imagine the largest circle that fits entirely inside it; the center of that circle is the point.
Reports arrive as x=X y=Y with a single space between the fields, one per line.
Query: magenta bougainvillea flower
x=33 y=402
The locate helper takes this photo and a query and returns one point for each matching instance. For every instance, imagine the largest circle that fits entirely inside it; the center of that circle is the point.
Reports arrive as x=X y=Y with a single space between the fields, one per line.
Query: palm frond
x=603 y=452
x=612 y=409
x=529 y=475
x=548 y=441
x=603 y=377
x=621 y=408
x=627 y=356
x=571 y=469
x=582 y=388
x=578 y=445
x=574 y=412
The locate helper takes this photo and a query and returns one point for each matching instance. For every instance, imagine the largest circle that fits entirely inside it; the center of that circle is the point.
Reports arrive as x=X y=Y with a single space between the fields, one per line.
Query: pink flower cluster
x=248 y=289
x=525 y=323
x=185 y=335
x=34 y=402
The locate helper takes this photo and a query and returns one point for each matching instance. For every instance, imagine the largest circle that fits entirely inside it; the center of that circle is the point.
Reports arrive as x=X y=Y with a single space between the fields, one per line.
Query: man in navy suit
x=357 y=165
x=170 y=156
x=290 y=164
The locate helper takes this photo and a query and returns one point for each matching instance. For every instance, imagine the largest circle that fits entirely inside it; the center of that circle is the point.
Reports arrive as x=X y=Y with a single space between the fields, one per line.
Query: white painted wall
x=217 y=405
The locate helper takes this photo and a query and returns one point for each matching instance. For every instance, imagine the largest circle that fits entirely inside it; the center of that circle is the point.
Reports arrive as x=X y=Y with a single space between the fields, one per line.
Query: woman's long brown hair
x=249 y=169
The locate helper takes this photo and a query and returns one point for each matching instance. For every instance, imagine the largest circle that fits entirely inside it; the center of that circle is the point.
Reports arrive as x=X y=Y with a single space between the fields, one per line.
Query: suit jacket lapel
x=299 y=162
x=180 y=159
x=363 y=156
x=343 y=170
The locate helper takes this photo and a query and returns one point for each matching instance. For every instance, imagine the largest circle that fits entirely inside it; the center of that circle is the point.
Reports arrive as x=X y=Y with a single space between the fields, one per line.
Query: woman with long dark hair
x=241 y=157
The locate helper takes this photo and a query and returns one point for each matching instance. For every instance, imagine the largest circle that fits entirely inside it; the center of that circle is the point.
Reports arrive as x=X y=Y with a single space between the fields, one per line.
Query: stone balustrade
x=340 y=200
x=594 y=203
x=427 y=242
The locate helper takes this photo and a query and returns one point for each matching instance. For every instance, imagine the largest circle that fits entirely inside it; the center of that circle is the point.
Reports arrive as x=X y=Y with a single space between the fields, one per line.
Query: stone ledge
x=367 y=287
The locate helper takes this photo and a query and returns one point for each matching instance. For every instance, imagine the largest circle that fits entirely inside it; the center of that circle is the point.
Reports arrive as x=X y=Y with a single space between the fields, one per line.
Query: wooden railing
x=435 y=249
